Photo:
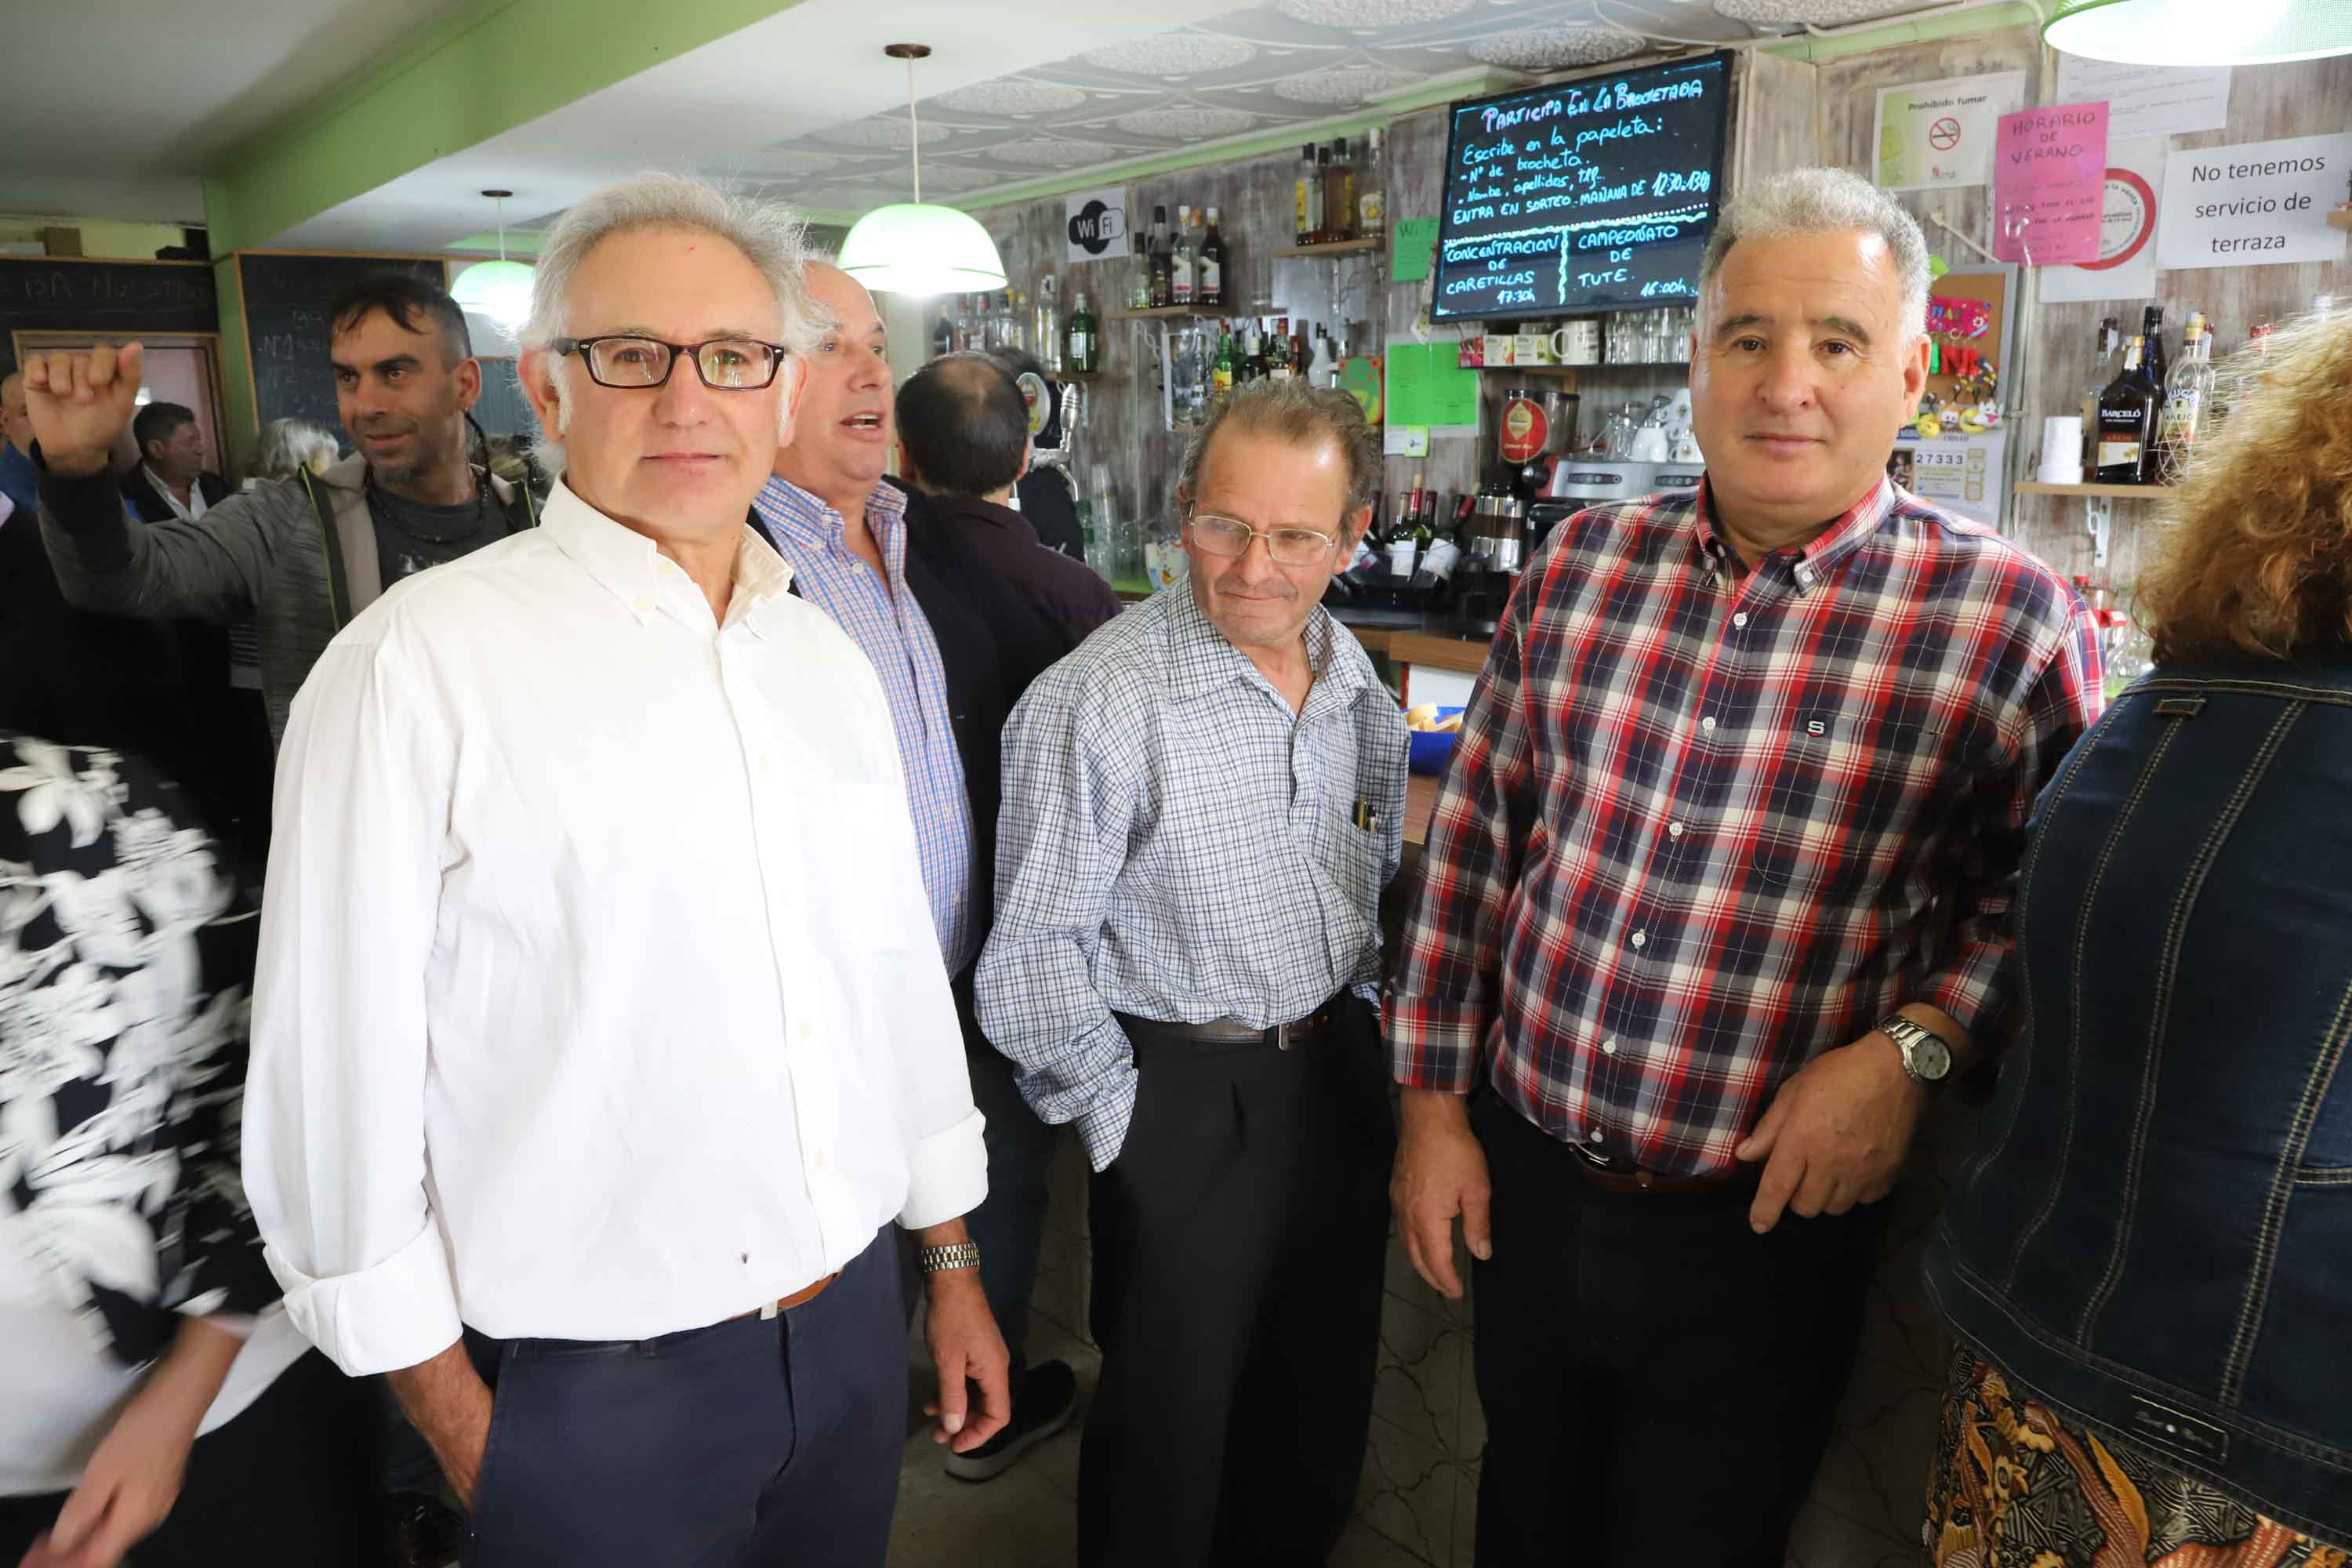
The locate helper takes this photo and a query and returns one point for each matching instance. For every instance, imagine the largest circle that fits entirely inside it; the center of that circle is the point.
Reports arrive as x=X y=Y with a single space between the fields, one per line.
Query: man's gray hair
x=1298 y=414
x=1825 y=201
x=290 y=445
x=768 y=234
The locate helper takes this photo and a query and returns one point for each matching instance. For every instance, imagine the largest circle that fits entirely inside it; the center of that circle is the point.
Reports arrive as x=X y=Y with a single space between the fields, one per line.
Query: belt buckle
x=1282 y=1036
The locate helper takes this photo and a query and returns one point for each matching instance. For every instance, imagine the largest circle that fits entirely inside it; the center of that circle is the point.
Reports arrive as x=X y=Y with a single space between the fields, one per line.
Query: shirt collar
x=1201 y=659
x=798 y=516
x=630 y=566
x=1812 y=564
x=163 y=493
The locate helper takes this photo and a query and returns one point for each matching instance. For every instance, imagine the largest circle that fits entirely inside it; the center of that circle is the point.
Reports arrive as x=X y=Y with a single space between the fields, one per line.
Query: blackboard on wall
x=502 y=409
x=286 y=328
x=51 y=295
x=1593 y=194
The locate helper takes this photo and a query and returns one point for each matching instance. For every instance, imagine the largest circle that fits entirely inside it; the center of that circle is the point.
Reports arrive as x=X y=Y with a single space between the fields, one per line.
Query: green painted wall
x=486 y=68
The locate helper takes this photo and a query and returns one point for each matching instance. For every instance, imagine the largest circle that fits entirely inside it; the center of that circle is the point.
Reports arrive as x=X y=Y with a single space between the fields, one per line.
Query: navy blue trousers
x=758 y=1443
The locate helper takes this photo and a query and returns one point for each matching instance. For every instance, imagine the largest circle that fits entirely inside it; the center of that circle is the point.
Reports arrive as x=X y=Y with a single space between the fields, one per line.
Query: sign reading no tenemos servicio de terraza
x=1598 y=194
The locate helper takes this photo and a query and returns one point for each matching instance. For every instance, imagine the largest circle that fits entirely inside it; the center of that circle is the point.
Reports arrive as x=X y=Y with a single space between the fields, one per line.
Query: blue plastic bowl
x=1432 y=750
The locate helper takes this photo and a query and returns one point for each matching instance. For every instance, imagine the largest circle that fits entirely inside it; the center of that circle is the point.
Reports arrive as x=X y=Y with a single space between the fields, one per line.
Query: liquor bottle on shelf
x=1307 y=195
x=1324 y=217
x=2152 y=357
x=2127 y=411
x=1252 y=366
x=2188 y=397
x=1182 y=280
x=1278 y=352
x=2105 y=362
x=1209 y=287
x=1221 y=376
x=1047 y=325
x=1085 y=338
x=1371 y=192
x=1302 y=362
x=1339 y=192
x=1139 y=277
x=1163 y=281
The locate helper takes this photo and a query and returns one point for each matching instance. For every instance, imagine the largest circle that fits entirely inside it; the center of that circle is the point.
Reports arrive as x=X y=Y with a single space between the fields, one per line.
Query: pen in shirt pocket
x=1366 y=818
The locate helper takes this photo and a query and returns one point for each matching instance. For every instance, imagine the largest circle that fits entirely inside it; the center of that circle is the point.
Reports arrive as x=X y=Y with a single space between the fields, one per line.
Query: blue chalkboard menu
x=1593 y=194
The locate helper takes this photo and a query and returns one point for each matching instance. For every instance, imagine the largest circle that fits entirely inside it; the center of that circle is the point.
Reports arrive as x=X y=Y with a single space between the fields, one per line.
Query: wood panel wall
x=1785 y=112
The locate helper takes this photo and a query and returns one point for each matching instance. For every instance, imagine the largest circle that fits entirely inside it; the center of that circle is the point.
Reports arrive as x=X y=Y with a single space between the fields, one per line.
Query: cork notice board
x=1988 y=287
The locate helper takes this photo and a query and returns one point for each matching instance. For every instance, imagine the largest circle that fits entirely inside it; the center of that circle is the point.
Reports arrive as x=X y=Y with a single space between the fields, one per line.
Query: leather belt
x=1624 y=1177
x=777 y=1308
x=1233 y=1032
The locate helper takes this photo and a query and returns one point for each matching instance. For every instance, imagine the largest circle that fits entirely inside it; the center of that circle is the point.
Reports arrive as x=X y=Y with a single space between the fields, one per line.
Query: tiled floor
x=1415 y=1502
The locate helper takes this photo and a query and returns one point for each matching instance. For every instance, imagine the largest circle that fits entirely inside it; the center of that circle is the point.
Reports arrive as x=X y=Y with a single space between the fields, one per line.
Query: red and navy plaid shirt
x=1703 y=826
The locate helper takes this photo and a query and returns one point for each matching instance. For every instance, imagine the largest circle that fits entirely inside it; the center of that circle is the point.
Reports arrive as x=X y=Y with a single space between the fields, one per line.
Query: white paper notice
x=2147 y=101
x=2125 y=269
x=2255 y=204
x=1938 y=135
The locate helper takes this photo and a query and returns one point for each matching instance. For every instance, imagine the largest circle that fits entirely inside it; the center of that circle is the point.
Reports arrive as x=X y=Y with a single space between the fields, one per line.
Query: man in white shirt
x=599 y=1014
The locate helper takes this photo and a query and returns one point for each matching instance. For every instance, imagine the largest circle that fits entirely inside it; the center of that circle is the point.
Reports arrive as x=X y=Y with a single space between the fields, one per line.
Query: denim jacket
x=2154 y=1231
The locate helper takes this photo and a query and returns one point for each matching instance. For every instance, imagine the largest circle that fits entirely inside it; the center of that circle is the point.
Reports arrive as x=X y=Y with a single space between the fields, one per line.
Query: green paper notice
x=1412 y=244
x=1427 y=387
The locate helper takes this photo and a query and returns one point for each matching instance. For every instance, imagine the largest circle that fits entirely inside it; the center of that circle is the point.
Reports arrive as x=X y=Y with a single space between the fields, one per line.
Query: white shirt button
x=819 y=1161
x=1740 y=619
x=1805 y=575
x=1641 y=939
x=1674 y=829
x=1594 y=1135
x=1609 y=1047
x=1708 y=723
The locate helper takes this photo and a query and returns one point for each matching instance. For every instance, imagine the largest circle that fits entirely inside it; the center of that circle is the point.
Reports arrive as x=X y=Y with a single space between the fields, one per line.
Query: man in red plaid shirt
x=1715 y=896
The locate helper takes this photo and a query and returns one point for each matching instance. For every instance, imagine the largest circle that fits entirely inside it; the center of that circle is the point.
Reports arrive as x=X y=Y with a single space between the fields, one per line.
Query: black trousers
x=760 y=1442
x=289 y=1483
x=1657 y=1379
x=1237 y=1258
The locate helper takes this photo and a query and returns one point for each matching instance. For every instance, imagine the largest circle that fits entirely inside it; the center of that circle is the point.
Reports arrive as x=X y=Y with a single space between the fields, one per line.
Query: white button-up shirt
x=598 y=995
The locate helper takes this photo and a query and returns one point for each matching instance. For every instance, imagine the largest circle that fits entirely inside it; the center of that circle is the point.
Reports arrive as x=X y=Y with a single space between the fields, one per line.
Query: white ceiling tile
x=1012 y=98
x=1821 y=13
x=1362 y=13
x=1552 y=47
x=1051 y=152
x=1180 y=52
x=1345 y=86
x=883 y=131
x=1186 y=123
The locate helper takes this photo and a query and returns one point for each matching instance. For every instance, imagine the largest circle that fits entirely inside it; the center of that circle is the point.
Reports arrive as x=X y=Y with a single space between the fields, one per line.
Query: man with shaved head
x=955 y=646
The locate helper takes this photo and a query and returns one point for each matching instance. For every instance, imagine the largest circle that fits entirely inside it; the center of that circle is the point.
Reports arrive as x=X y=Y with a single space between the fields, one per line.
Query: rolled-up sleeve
x=1061 y=839
x=334 y=1114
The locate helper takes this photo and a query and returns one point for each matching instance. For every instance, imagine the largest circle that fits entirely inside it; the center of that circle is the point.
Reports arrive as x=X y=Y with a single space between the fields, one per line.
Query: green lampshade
x=498 y=290
x=2200 y=32
x=915 y=247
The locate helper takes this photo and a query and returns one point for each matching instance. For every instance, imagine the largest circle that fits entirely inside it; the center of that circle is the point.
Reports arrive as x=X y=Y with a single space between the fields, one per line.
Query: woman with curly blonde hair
x=2148 y=1259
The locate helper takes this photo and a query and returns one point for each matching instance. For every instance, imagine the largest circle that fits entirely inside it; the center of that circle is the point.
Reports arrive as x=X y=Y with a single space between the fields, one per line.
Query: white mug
x=1578 y=342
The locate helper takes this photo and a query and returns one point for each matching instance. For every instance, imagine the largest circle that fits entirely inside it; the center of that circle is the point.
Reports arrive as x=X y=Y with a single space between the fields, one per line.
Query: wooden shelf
x=1336 y=248
x=1172 y=313
x=2102 y=492
x=2340 y=218
x=1458 y=654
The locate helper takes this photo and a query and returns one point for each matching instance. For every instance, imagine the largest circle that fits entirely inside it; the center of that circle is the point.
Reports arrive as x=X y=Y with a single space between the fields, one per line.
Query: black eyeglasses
x=725 y=364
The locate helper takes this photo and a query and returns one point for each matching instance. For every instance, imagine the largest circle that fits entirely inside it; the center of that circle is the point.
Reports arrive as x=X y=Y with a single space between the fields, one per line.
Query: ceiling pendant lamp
x=500 y=289
x=2200 y=32
x=914 y=248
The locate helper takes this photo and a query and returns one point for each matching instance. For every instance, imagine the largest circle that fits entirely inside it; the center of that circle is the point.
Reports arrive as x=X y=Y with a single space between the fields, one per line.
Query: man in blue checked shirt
x=1202 y=806
x=955 y=645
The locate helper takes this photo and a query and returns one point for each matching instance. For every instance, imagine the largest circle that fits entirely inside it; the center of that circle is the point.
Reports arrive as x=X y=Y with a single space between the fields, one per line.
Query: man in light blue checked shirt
x=1202 y=806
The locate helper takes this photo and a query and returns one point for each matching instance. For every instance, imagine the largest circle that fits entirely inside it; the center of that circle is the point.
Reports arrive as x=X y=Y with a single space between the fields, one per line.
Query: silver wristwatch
x=1927 y=1056
x=940 y=1259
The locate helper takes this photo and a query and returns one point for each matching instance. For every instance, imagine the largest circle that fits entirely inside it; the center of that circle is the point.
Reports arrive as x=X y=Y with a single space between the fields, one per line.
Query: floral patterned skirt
x=2014 y=1487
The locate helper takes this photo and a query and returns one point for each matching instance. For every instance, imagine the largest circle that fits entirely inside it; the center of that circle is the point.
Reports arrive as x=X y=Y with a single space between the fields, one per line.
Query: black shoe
x=425 y=1531
x=1049 y=1397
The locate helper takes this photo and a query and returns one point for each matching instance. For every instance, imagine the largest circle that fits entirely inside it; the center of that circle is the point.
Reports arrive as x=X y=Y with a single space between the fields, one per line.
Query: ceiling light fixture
x=915 y=247
x=500 y=289
x=2191 y=32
